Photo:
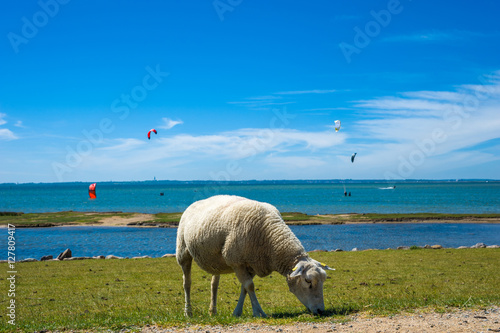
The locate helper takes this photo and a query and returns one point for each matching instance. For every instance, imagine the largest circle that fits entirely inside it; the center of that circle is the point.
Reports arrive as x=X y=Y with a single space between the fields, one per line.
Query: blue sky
x=243 y=89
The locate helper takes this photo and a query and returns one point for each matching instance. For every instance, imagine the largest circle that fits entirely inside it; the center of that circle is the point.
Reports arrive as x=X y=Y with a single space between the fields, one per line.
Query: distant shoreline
x=268 y=181
x=171 y=220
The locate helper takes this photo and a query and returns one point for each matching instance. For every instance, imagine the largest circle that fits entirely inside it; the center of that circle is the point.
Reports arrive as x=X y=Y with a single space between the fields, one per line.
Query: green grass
x=117 y=294
x=54 y=219
x=172 y=219
x=422 y=217
x=71 y=217
x=167 y=218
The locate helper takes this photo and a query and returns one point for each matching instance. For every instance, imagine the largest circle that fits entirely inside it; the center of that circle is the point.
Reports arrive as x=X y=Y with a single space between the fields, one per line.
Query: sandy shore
x=123 y=221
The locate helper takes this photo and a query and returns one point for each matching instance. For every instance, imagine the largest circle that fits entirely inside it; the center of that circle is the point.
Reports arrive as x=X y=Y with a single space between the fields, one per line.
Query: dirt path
x=454 y=321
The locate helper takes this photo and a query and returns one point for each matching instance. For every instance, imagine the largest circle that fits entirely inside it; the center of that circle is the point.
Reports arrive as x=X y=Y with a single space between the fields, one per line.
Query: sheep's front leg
x=215 y=286
x=246 y=280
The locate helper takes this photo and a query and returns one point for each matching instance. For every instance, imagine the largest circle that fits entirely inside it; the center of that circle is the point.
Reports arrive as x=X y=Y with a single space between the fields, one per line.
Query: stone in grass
x=44 y=258
x=436 y=247
x=65 y=254
x=99 y=257
x=355 y=249
x=403 y=248
x=168 y=255
x=142 y=257
x=78 y=258
x=28 y=260
x=113 y=257
x=478 y=246
x=462 y=247
x=493 y=247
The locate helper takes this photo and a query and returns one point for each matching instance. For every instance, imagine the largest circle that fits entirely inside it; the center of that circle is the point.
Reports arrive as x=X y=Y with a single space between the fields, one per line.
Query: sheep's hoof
x=188 y=313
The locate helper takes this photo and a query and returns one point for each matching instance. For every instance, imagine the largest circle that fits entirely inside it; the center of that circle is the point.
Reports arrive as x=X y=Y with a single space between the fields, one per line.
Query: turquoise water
x=320 y=198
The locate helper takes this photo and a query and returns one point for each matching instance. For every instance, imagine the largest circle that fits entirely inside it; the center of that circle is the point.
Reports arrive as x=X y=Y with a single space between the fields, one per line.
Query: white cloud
x=2 y=121
x=268 y=148
x=329 y=109
x=405 y=106
x=237 y=144
x=440 y=36
x=301 y=92
x=262 y=103
x=267 y=97
x=296 y=161
x=266 y=102
x=449 y=96
x=124 y=145
x=6 y=134
x=169 y=123
x=425 y=132
x=429 y=36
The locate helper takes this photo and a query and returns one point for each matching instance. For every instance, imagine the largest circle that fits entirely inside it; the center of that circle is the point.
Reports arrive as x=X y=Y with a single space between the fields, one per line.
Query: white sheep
x=226 y=234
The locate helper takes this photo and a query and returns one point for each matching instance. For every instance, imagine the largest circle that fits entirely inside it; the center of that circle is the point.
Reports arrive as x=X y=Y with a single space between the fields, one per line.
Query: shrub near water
x=116 y=294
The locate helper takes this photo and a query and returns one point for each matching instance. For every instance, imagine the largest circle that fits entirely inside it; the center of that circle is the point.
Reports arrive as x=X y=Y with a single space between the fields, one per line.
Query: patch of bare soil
x=121 y=221
x=454 y=322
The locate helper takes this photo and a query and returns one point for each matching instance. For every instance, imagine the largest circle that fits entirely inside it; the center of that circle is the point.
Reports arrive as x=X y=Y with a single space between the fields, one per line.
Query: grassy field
x=172 y=219
x=54 y=219
x=128 y=293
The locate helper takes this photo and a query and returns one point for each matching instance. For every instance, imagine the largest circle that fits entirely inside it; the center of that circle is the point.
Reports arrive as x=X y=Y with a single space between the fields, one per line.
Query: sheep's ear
x=297 y=270
x=324 y=266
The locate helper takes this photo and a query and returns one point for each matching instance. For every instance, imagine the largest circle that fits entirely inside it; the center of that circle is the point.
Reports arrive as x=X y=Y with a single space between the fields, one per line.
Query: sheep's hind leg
x=215 y=286
x=247 y=285
x=186 y=269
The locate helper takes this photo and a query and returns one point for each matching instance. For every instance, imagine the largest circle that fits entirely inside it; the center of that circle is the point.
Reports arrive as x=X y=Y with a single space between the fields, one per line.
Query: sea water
x=316 y=198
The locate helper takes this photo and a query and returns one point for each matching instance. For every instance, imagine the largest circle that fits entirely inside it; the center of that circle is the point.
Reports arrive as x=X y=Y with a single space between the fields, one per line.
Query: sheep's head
x=306 y=282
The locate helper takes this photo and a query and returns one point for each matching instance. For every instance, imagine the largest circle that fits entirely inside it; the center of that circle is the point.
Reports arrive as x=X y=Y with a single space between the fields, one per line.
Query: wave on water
x=387 y=188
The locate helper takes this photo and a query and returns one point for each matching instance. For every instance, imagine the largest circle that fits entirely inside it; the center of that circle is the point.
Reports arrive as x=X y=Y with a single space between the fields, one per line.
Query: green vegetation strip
x=172 y=219
x=54 y=219
x=423 y=216
x=132 y=293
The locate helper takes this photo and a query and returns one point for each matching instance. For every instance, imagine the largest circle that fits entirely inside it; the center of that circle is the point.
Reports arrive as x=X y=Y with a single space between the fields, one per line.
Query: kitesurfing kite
x=92 y=194
x=149 y=133
x=352 y=157
x=337 y=125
